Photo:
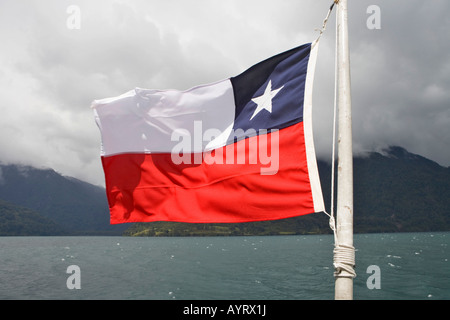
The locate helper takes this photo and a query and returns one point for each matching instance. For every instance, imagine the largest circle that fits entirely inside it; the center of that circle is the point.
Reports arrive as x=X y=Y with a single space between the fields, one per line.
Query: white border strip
x=314 y=179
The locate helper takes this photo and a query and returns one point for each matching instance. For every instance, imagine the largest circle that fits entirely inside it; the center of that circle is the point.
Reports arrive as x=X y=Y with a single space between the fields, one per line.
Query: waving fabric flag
x=237 y=150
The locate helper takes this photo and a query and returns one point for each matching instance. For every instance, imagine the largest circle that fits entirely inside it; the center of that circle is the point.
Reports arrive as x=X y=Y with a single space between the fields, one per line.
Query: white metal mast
x=344 y=250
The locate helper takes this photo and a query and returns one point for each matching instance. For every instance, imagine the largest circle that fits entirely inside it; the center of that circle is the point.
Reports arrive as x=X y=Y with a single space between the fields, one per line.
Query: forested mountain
x=400 y=191
x=394 y=191
x=20 y=221
x=72 y=205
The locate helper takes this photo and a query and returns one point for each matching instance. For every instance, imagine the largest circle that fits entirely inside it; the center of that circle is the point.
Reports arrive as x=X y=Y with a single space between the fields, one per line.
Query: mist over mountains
x=394 y=191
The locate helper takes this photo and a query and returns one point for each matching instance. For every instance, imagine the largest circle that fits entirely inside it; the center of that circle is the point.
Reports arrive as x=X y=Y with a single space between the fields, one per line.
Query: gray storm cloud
x=49 y=73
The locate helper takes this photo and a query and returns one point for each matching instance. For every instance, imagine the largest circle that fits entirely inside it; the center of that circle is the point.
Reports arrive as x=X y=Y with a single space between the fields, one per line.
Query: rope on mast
x=344 y=255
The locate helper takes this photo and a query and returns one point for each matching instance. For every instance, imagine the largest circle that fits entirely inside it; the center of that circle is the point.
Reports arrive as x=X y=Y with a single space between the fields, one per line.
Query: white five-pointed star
x=265 y=101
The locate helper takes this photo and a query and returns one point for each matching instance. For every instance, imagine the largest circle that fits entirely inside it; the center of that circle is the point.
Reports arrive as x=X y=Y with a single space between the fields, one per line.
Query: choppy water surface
x=412 y=266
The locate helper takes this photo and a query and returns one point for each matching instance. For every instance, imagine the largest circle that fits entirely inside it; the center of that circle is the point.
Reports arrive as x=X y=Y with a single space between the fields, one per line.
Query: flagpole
x=344 y=251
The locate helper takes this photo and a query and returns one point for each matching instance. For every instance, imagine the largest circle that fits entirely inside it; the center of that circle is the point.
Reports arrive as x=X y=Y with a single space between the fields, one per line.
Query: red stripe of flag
x=150 y=187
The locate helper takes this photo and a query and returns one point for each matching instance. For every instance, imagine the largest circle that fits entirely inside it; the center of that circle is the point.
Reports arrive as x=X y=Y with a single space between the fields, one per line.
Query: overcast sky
x=50 y=72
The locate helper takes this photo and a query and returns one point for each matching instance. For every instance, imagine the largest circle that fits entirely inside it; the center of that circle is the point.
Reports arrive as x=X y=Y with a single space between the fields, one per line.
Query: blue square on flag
x=270 y=94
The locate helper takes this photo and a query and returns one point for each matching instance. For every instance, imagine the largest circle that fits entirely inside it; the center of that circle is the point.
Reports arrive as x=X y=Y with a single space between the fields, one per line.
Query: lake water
x=411 y=265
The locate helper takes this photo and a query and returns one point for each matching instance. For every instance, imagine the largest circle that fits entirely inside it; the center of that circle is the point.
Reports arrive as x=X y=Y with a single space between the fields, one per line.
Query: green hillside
x=394 y=191
x=76 y=206
x=20 y=221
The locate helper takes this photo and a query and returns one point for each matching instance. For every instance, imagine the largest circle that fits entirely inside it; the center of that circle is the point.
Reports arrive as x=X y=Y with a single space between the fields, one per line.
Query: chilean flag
x=237 y=150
